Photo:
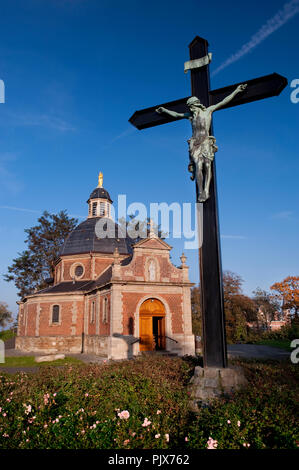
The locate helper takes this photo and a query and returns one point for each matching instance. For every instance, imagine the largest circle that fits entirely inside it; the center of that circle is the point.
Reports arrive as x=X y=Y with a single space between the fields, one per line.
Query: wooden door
x=161 y=333
x=146 y=333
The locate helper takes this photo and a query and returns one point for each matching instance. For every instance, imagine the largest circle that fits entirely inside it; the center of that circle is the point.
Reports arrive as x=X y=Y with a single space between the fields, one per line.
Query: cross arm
x=149 y=117
x=257 y=89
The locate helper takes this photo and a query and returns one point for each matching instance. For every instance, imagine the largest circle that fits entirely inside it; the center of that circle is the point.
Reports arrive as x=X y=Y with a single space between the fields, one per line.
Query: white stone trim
x=168 y=325
x=73 y=269
x=51 y=314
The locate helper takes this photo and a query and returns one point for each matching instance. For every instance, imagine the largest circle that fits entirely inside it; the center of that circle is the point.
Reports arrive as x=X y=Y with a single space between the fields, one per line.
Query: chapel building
x=112 y=296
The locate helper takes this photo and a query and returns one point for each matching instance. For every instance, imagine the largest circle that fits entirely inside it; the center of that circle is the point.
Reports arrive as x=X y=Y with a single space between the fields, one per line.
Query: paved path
x=256 y=351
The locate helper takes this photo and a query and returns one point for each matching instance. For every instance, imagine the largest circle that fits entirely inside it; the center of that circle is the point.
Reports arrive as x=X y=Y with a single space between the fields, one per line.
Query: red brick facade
x=99 y=310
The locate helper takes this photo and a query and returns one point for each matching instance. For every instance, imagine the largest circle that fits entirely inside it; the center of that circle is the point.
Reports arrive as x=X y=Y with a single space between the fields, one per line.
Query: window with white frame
x=55 y=313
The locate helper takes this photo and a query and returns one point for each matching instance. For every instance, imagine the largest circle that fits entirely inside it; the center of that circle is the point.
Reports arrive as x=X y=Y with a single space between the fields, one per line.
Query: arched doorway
x=152 y=325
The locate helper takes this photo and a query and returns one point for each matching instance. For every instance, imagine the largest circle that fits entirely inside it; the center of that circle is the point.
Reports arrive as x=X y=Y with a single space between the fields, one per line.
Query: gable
x=153 y=244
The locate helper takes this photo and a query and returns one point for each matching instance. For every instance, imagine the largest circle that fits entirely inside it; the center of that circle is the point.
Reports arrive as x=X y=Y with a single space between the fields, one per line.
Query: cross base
x=210 y=383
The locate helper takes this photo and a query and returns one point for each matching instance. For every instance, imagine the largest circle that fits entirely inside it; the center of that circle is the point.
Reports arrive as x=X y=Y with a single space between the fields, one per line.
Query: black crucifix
x=212 y=308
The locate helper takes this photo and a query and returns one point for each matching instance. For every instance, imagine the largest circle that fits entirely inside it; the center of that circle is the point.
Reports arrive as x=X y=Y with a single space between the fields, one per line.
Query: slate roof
x=84 y=239
x=78 y=286
x=100 y=193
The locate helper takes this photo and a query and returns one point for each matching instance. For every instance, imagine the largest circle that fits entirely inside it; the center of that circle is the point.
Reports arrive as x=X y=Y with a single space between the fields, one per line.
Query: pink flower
x=167 y=437
x=159 y=412
x=228 y=421
x=28 y=408
x=146 y=422
x=86 y=394
x=157 y=436
x=186 y=439
x=238 y=423
x=124 y=414
x=212 y=444
x=126 y=442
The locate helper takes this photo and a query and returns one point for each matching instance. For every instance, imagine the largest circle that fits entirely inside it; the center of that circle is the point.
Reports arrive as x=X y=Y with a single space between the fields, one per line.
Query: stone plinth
x=210 y=383
x=49 y=358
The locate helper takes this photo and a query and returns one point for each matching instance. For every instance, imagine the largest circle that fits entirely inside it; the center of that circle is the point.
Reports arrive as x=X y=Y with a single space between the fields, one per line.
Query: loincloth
x=202 y=150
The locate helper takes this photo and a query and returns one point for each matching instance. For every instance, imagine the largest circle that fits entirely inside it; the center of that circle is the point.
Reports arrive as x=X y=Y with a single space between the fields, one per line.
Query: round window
x=79 y=271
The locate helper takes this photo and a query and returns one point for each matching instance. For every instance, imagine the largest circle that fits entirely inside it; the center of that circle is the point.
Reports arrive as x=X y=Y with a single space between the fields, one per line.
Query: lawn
x=277 y=343
x=143 y=404
x=28 y=361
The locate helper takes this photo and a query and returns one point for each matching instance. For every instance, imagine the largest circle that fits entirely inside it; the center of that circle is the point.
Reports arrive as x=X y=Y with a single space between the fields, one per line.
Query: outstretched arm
x=228 y=98
x=162 y=110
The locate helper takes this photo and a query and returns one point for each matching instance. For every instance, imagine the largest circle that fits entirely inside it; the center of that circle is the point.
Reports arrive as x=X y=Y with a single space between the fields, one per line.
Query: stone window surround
x=51 y=315
x=73 y=269
x=105 y=310
x=92 y=313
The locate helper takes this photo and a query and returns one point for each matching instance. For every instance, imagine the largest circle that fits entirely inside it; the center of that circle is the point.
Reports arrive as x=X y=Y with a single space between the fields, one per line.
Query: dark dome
x=100 y=193
x=87 y=238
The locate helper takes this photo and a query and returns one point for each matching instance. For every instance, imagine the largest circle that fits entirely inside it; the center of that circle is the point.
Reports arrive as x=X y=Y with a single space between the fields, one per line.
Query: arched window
x=102 y=208
x=94 y=209
x=105 y=310
x=92 y=312
x=55 y=313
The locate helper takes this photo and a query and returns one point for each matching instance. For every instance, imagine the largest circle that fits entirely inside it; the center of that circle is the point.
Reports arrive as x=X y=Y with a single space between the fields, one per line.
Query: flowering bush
x=144 y=404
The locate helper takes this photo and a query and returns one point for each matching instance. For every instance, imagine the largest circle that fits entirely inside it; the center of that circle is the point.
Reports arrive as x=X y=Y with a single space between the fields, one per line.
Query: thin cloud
x=34 y=211
x=288 y=11
x=21 y=209
x=283 y=215
x=20 y=119
x=8 y=179
x=233 y=237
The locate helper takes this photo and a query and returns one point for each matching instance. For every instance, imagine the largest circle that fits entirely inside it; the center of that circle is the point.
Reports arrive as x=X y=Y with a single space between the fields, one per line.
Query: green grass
x=276 y=343
x=28 y=361
x=77 y=407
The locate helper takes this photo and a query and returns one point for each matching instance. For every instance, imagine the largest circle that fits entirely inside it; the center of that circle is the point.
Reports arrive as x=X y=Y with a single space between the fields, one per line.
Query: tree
x=5 y=315
x=287 y=292
x=267 y=306
x=34 y=265
x=239 y=309
x=196 y=311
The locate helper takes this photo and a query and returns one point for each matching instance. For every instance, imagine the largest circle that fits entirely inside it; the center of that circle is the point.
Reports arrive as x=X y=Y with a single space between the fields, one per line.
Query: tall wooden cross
x=212 y=308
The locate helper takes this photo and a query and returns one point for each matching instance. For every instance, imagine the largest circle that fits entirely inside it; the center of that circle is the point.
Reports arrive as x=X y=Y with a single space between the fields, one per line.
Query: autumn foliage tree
x=34 y=265
x=287 y=292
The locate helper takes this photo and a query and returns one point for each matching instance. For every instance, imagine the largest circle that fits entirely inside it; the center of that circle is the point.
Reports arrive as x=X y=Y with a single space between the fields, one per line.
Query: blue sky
x=76 y=70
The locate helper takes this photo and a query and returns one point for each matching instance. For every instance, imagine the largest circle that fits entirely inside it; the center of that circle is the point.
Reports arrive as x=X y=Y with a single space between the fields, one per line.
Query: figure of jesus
x=202 y=145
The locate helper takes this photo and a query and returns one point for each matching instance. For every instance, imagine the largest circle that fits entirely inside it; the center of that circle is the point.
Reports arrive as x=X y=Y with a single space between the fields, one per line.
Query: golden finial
x=100 y=185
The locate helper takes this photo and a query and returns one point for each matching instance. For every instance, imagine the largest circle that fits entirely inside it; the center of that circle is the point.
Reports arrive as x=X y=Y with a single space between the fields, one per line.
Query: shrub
x=144 y=404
